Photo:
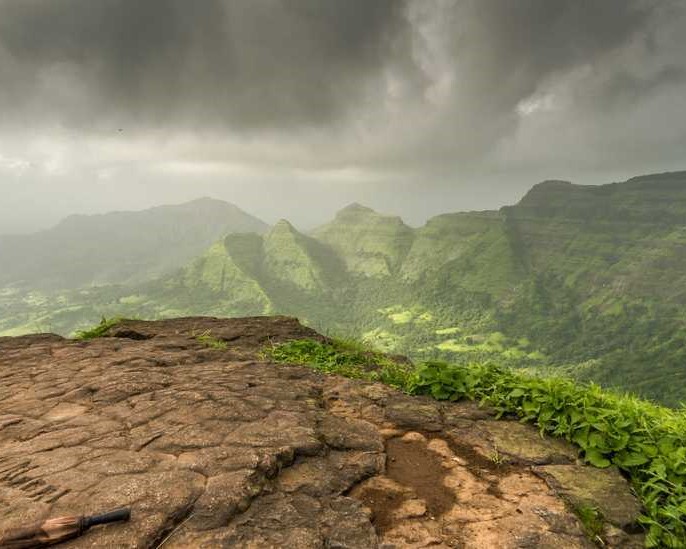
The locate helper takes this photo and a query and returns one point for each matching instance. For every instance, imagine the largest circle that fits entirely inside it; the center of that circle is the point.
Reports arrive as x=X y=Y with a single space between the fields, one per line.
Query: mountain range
x=587 y=281
x=118 y=247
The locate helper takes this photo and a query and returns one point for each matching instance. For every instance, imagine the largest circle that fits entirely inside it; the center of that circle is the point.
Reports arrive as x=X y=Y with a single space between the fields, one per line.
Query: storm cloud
x=338 y=100
x=167 y=63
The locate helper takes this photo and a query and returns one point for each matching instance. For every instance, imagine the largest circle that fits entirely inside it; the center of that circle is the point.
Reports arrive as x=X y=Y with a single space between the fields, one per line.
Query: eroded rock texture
x=221 y=448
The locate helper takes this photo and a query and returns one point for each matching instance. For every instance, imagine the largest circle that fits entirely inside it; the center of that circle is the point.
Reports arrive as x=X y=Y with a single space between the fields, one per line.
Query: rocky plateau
x=223 y=448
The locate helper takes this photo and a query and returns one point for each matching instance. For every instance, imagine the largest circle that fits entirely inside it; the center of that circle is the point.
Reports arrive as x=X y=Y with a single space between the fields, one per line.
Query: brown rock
x=350 y=434
x=604 y=489
x=515 y=441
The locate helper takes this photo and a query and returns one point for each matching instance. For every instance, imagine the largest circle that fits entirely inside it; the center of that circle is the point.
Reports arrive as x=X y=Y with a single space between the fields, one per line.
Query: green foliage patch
x=207 y=339
x=646 y=441
x=344 y=357
x=592 y=520
x=98 y=330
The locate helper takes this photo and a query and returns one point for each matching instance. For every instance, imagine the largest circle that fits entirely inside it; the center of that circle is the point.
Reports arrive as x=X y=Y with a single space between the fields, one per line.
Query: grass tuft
x=207 y=339
x=344 y=357
x=98 y=330
x=592 y=520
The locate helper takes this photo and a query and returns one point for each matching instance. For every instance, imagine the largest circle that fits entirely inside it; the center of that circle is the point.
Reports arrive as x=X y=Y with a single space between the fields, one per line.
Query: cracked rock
x=221 y=448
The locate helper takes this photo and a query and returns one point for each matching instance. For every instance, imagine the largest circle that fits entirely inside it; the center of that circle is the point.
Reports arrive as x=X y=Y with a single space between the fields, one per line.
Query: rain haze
x=295 y=108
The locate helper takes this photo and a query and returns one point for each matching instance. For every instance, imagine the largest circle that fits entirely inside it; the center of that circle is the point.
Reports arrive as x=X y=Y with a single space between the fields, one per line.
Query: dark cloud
x=283 y=64
x=503 y=52
x=622 y=89
x=522 y=43
x=442 y=95
x=243 y=64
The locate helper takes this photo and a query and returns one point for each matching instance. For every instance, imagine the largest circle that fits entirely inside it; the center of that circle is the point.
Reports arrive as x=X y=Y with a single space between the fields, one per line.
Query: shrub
x=344 y=357
x=98 y=330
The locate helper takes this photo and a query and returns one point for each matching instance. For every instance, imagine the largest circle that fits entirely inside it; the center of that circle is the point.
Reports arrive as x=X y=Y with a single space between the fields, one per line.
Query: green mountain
x=369 y=244
x=118 y=247
x=585 y=280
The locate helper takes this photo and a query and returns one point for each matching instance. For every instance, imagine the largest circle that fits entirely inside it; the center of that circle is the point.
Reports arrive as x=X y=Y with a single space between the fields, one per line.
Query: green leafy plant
x=98 y=330
x=496 y=457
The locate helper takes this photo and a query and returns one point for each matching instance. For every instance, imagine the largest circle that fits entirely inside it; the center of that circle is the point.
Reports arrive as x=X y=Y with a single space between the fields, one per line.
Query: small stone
x=413 y=437
x=410 y=509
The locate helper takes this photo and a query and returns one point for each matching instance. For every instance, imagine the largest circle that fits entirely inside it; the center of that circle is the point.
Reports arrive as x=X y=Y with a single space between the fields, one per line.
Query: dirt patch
x=412 y=464
x=412 y=486
x=383 y=504
x=485 y=469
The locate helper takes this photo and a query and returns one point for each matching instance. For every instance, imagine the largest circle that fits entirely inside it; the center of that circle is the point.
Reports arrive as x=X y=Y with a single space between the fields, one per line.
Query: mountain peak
x=544 y=191
x=552 y=184
x=207 y=200
x=355 y=208
x=121 y=247
x=555 y=183
x=283 y=229
x=283 y=226
x=356 y=216
x=204 y=203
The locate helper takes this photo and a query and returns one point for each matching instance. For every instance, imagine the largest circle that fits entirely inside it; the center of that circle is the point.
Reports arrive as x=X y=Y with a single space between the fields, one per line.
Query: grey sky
x=293 y=108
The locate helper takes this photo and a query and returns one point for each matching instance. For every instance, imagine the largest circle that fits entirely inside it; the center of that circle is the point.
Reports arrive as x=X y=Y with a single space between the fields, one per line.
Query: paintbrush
x=59 y=529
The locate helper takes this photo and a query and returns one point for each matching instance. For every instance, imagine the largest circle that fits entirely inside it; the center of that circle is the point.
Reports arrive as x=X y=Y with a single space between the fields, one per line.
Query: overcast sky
x=294 y=108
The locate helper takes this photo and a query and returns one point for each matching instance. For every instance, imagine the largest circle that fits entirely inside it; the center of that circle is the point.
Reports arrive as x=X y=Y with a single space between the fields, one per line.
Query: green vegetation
x=592 y=520
x=98 y=330
x=496 y=457
x=343 y=357
x=207 y=339
x=645 y=441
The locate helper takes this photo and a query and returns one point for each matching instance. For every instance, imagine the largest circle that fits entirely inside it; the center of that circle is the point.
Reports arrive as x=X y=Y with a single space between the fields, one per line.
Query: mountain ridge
x=582 y=279
x=119 y=247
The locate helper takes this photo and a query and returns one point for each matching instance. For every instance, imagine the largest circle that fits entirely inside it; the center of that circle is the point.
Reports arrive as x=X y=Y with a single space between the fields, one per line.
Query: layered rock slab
x=220 y=447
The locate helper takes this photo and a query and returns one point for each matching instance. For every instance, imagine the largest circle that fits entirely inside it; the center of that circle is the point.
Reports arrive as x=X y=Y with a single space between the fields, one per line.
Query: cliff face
x=218 y=447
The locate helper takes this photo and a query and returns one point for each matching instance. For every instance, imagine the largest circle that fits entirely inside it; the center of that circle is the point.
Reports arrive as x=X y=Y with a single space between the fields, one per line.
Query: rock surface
x=221 y=448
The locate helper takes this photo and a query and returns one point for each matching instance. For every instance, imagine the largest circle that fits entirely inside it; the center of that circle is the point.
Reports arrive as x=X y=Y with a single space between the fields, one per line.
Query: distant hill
x=369 y=244
x=587 y=280
x=119 y=247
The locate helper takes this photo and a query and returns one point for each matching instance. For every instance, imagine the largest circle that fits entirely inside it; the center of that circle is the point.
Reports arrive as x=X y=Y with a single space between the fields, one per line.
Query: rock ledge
x=221 y=448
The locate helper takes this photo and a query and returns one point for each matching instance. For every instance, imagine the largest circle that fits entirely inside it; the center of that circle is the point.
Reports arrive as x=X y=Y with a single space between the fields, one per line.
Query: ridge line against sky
x=293 y=108
x=362 y=206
